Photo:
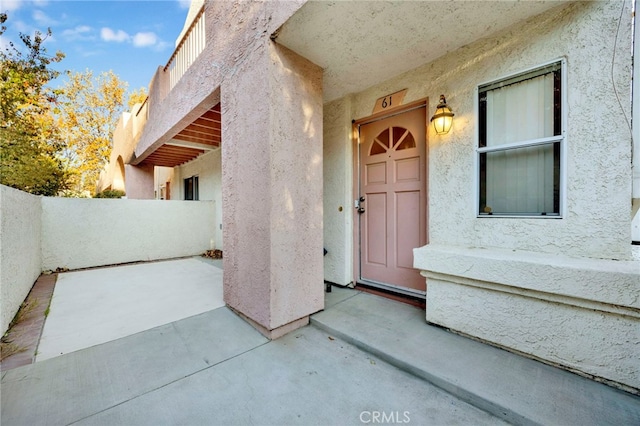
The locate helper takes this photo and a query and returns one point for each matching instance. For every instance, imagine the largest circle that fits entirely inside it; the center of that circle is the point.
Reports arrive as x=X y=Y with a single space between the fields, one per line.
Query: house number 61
x=389 y=101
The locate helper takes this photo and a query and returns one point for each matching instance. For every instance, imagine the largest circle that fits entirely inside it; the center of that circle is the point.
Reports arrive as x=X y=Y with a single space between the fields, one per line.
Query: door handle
x=359 y=205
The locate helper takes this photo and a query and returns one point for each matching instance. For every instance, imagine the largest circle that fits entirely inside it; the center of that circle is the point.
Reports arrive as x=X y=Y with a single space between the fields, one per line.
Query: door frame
x=356 y=123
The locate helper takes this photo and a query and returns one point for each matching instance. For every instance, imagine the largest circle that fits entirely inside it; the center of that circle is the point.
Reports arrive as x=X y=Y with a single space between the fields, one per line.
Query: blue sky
x=132 y=38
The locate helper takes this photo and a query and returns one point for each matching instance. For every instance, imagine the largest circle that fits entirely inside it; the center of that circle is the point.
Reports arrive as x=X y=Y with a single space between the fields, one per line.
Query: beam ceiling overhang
x=201 y=135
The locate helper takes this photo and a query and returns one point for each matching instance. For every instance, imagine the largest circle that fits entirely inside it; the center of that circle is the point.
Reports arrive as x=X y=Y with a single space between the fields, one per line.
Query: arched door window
x=394 y=138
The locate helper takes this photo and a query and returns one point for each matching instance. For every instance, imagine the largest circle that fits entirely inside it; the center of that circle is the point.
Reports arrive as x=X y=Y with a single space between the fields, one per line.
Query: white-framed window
x=521 y=143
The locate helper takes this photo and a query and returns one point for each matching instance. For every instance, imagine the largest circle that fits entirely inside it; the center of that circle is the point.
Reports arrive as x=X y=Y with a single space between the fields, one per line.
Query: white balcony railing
x=189 y=48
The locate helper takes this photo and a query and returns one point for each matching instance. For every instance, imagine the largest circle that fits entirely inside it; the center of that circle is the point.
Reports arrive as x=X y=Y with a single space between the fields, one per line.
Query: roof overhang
x=362 y=43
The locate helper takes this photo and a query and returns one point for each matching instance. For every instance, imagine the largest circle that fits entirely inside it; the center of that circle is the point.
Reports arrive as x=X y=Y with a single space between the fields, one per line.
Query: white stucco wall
x=20 y=251
x=583 y=272
x=337 y=194
x=596 y=222
x=272 y=188
x=597 y=217
x=208 y=168
x=580 y=313
x=80 y=233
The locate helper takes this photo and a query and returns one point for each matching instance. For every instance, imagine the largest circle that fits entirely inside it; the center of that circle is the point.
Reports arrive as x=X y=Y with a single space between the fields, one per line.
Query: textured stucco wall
x=125 y=138
x=20 y=250
x=614 y=283
x=271 y=156
x=579 y=313
x=246 y=197
x=139 y=181
x=296 y=186
x=272 y=187
x=238 y=27
x=553 y=301
x=122 y=231
x=337 y=195
x=598 y=343
x=597 y=216
x=121 y=147
x=208 y=168
x=559 y=296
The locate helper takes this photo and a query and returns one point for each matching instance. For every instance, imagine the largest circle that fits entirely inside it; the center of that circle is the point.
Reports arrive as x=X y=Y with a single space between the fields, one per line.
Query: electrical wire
x=613 y=81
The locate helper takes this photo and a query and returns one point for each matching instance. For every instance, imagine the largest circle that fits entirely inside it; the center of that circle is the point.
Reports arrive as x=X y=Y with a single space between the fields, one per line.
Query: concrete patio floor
x=95 y=306
x=215 y=369
x=364 y=359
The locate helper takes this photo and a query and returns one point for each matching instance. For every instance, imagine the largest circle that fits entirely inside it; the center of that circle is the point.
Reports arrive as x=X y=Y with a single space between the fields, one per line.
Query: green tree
x=30 y=145
x=87 y=114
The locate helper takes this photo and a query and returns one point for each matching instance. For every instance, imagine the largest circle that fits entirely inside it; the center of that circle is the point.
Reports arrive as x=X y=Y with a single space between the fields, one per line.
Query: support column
x=272 y=189
x=139 y=182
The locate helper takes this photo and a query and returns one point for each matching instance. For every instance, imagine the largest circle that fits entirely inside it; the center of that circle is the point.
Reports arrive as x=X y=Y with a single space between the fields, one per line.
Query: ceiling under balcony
x=201 y=135
x=361 y=43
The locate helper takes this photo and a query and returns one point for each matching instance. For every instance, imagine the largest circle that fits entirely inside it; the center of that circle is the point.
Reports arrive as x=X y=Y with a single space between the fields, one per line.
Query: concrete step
x=512 y=387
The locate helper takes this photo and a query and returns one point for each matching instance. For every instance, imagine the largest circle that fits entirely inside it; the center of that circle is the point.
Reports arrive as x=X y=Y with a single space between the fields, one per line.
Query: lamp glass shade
x=443 y=117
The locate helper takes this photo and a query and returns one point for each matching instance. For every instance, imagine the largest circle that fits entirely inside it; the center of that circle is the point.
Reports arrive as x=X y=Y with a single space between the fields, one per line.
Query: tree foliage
x=137 y=97
x=55 y=141
x=30 y=145
x=87 y=114
x=110 y=193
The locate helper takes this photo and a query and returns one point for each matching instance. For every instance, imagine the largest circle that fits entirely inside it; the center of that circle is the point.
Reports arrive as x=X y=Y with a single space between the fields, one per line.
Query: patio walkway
x=363 y=356
x=215 y=369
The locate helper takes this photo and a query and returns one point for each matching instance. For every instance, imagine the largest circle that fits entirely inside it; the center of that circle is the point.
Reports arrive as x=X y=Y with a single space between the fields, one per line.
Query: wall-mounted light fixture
x=443 y=117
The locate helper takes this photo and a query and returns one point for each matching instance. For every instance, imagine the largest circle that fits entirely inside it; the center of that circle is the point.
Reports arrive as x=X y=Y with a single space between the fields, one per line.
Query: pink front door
x=393 y=187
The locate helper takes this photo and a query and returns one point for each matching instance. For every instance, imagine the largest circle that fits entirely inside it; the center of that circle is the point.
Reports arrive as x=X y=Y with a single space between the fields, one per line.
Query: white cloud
x=43 y=19
x=163 y=45
x=145 y=39
x=140 y=39
x=107 y=34
x=184 y=4
x=80 y=29
x=11 y=5
x=22 y=27
x=81 y=32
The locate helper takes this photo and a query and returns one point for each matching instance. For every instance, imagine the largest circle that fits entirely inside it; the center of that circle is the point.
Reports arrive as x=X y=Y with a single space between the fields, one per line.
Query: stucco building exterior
x=309 y=125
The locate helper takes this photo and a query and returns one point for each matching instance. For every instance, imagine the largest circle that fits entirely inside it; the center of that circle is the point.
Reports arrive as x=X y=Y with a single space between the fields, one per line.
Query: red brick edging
x=27 y=332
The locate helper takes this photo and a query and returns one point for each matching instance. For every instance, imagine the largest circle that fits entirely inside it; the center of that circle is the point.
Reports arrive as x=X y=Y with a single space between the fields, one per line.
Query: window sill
x=523 y=216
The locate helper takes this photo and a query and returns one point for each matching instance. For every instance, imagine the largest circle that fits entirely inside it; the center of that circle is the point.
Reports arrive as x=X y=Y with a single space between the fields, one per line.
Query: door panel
x=408 y=214
x=376 y=173
x=393 y=183
x=408 y=170
x=376 y=241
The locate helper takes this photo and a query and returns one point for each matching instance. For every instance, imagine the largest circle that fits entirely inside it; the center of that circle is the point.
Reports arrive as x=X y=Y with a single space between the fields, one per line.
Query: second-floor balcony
x=187 y=49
